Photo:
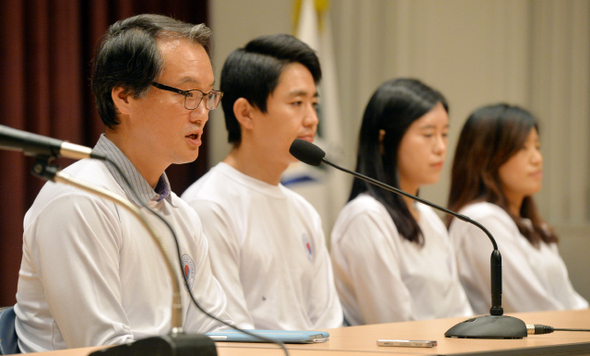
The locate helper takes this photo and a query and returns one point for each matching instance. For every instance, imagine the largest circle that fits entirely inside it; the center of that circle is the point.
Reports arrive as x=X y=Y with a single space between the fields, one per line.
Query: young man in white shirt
x=267 y=246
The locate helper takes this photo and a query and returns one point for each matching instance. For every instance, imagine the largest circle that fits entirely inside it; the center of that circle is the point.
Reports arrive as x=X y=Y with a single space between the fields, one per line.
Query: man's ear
x=244 y=113
x=121 y=98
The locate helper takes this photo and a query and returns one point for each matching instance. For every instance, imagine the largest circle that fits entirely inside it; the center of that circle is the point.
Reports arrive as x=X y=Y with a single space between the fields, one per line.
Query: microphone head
x=307 y=152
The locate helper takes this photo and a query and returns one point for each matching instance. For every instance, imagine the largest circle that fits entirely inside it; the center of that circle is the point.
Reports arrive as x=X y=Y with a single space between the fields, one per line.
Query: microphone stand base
x=489 y=327
x=173 y=344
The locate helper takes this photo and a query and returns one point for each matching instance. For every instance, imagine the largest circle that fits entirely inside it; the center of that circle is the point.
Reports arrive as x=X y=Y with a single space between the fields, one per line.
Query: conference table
x=362 y=340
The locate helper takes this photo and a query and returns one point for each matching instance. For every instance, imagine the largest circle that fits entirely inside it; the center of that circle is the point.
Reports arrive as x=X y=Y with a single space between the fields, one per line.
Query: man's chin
x=187 y=159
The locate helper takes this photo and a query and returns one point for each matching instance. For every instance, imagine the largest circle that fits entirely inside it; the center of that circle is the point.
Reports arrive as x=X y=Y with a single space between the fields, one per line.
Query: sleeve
x=224 y=252
x=370 y=258
x=521 y=289
x=75 y=244
x=325 y=311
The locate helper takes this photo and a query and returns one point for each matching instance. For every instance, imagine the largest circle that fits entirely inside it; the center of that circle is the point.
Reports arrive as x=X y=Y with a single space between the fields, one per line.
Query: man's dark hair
x=253 y=73
x=128 y=57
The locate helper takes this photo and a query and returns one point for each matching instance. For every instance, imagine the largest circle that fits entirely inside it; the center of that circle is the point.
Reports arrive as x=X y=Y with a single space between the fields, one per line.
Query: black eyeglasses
x=193 y=97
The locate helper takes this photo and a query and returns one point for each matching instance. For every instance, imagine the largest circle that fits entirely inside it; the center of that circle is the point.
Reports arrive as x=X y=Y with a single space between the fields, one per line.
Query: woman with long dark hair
x=392 y=257
x=498 y=166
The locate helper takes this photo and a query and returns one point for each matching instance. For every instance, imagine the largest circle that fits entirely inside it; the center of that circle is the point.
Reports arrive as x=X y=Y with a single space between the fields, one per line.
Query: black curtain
x=46 y=48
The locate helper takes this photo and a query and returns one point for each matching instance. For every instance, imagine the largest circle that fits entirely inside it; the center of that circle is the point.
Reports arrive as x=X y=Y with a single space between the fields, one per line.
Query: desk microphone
x=176 y=342
x=494 y=326
x=36 y=145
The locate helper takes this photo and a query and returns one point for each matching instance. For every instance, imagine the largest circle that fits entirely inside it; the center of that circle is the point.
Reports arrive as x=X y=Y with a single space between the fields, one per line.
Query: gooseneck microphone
x=36 y=145
x=176 y=342
x=493 y=326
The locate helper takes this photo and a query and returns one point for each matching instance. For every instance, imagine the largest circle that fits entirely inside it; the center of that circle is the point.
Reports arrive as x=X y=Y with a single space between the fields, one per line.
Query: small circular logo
x=188 y=268
x=307 y=246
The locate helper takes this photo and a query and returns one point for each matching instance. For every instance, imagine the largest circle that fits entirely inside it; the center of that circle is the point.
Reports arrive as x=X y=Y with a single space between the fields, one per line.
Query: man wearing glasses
x=91 y=274
x=266 y=242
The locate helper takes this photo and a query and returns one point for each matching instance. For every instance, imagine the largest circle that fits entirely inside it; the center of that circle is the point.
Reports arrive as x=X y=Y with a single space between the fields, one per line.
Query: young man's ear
x=121 y=99
x=244 y=111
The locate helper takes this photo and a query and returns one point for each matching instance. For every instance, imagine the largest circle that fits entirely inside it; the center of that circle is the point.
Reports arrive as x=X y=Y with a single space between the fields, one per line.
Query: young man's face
x=165 y=131
x=291 y=113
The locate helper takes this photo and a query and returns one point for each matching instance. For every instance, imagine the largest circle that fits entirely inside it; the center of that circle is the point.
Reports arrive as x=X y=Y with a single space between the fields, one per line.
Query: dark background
x=46 y=49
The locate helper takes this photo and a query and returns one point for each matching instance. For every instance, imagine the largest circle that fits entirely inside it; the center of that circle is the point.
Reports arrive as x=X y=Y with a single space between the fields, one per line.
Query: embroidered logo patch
x=307 y=246
x=188 y=267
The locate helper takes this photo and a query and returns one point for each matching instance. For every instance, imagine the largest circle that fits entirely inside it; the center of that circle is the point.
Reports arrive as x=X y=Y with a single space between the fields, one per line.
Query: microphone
x=36 y=145
x=177 y=341
x=493 y=326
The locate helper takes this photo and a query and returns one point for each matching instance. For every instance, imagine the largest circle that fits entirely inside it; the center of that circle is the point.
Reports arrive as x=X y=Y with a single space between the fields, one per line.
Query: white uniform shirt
x=92 y=275
x=533 y=278
x=382 y=277
x=267 y=250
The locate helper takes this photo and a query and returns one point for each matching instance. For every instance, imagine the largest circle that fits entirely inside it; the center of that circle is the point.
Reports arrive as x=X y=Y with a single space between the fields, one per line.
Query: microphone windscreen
x=307 y=152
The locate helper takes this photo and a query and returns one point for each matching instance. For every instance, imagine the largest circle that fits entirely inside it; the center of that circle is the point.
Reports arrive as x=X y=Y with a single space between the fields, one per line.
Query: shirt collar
x=145 y=192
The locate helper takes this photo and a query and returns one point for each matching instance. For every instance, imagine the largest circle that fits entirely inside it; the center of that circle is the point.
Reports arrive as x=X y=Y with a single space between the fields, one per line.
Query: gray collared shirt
x=136 y=181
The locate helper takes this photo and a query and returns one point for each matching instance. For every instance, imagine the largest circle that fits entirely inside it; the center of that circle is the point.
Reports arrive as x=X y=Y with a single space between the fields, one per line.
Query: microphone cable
x=178 y=254
x=539 y=329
